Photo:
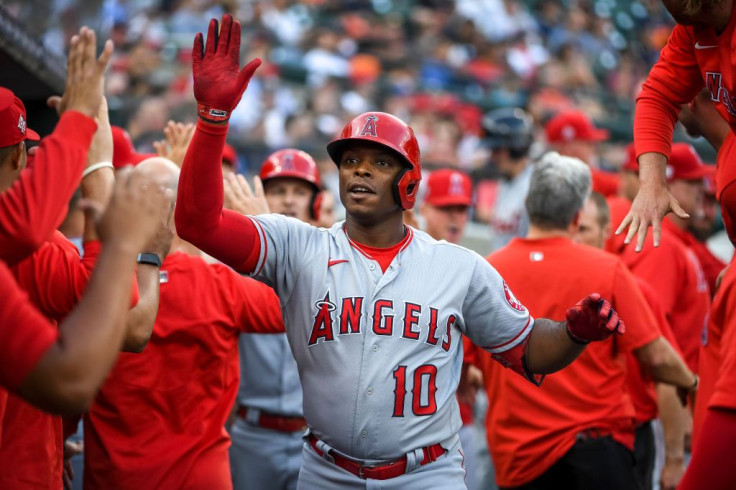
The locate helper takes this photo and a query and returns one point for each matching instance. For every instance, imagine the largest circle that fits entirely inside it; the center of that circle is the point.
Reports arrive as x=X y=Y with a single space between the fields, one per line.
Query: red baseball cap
x=123 y=151
x=449 y=187
x=573 y=125
x=685 y=164
x=13 y=126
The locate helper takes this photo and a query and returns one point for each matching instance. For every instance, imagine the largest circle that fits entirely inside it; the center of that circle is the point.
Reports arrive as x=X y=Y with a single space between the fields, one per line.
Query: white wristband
x=95 y=167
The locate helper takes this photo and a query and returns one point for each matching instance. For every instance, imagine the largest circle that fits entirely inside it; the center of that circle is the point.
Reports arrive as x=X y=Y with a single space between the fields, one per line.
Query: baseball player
x=30 y=209
x=659 y=457
x=267 y=433
x=59 y=370
x=714 y=426
x=158 y=421
x=447 y=202
x=572 y=133
x=576 y=430
x=54 y=277
x=671 y=269
x=375 y=310
x=509 y=133
x=697 y=56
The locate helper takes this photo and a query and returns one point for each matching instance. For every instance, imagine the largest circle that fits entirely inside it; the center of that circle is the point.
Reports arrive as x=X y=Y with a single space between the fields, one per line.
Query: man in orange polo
x=577 y=429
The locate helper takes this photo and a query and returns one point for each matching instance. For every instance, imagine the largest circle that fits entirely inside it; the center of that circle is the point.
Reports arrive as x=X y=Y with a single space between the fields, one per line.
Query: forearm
x=674 y=420
x=72 y=370
x=97 y=187
x=200 y=218
x=664 y=365
x=35 y=205
x=550 y=348
x=141 y=318
x=652 y=169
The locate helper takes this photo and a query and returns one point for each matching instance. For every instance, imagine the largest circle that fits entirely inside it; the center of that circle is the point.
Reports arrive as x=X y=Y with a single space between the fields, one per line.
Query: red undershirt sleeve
x=674 y=80
x=200 y=218
x=717 y=441
x=36 y=203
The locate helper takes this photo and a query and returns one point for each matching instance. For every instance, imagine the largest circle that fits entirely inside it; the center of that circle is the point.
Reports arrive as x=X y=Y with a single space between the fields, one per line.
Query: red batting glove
x=592 y=319
x=218 y=81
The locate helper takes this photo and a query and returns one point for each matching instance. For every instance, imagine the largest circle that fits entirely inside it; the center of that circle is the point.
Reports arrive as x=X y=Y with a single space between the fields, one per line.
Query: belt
x=593 y=433
x=275 y=422
x=382 y=471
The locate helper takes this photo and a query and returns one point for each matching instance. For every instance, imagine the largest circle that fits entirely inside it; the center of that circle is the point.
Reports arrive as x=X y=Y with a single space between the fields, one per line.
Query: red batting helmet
x=393 y=133
x=297 y=165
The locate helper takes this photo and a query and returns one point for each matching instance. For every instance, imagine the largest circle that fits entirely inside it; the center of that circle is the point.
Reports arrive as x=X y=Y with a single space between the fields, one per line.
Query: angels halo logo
x=511 y=299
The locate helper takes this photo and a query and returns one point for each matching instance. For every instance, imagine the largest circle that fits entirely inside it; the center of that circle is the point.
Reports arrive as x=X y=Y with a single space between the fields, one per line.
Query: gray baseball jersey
x=269 y=380
x=509 y=213
x=380 y=354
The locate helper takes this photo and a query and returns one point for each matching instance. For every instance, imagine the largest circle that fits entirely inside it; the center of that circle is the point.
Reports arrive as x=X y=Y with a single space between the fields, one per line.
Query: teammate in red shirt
x=593 y=230
x=672 y=269
x=158 y=421
x=577 y=428
x=698 y=55
x=60 y=370
x=714 y=430
x=573 y=134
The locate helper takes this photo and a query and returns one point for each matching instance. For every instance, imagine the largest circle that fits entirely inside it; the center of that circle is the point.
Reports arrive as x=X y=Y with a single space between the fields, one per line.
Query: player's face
x=584 y=150
x=367 y=175
x=690 y=194
x=445 y=223
x=590 y=232
x=288 y=196
x=327 y=210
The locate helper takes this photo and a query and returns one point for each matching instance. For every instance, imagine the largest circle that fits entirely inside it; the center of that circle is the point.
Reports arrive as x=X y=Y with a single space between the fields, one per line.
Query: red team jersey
x=694 y=57
x=641 y=386
x=158 y=421
x=32 y=208
x=21 y=348
x=675 y=274
x=31 y=449
x=718 y=354
x=530 y=428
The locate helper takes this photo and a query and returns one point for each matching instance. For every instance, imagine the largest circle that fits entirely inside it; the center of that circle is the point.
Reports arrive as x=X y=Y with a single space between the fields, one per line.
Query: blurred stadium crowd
x=438 y=64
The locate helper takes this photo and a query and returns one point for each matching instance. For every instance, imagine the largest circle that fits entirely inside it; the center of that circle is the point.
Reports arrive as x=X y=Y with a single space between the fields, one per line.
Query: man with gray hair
x=576 y=430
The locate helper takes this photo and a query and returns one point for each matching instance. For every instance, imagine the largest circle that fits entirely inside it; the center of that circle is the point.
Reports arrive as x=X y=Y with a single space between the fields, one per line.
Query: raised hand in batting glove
x=591 y=319
x=219 y=82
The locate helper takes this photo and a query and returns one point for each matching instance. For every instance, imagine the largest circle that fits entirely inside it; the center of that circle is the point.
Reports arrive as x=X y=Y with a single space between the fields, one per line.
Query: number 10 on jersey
x=424 y=381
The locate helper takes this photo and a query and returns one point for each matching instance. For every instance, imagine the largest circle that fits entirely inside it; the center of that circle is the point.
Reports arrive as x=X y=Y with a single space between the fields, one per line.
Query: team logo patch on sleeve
x=511 y=299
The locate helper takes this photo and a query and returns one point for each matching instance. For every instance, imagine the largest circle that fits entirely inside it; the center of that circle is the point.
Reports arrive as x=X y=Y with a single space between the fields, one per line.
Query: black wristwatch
x=150 y=259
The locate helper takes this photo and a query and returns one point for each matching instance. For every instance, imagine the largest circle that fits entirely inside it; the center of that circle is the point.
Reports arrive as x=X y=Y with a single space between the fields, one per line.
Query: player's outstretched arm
x=67 y=376
x=553 y=345
x=674 y=80
x=219 y=84
x=35 y=205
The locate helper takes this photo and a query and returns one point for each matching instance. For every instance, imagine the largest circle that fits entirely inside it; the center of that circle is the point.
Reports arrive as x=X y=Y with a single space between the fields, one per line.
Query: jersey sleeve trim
x=264 y=247
x=519 y=337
